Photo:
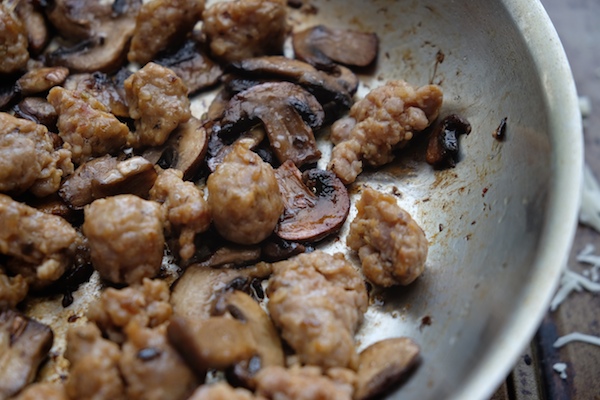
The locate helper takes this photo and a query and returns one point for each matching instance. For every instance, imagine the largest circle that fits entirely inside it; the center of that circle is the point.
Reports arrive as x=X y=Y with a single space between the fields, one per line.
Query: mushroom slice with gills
x=276 y=249
x=232 y=256
x=193 y=294
x=384 y=365
x=24 y=344
x=338 y=87
x=213 y=343
x=103 y=88
x=38 y=110
x=218 y=148
x=322 y=47
x=316 y=203
x=105 y=32
x=269 y=351
x=289 y=115
x=41 y=80
x=106 y=176
x=442 y=149
x=192 y=65
x=184 y=150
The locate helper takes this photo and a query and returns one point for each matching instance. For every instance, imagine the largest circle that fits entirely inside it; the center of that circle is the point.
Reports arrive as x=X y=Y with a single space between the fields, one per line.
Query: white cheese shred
x=569 y=282
x=576 y=337
x=561 y=368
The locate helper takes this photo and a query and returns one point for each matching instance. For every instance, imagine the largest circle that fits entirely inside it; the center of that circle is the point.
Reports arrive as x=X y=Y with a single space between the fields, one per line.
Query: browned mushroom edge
x=38 y=35
x=442 y=149
x=185 y=149
x=269 y=350
x=338 y=87
x=103 y=88
x=191 y=63
x=106 y=176
x=316 y=204
x=192 y=295
x=38 y=110
x=104 y=32
x=289 y=115
x=385 y=365
x=323 y=47
x=24 y=345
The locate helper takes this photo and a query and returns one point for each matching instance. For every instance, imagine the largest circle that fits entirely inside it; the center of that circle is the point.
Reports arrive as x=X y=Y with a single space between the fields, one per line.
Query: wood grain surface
x=578 y=25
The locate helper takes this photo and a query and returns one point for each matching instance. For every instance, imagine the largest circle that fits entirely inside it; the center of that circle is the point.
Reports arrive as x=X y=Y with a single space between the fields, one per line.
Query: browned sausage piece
x=245 y=28
x=391 y=246
x=318 y=301
x=126 y=239
x=244 y=197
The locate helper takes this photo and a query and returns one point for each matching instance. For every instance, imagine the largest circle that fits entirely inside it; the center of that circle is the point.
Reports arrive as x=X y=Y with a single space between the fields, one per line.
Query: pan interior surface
x=501 y=222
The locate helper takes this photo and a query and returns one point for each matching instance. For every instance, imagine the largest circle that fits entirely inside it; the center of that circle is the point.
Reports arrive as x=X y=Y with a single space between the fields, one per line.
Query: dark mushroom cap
x=289 y=115
x=192 y=65
x=336 y=87
x=316 y=204
x=322 y=47
x=442 y=149
x=38 y=110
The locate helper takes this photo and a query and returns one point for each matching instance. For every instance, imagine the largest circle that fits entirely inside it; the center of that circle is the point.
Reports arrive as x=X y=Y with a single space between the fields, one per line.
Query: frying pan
x=500 y=223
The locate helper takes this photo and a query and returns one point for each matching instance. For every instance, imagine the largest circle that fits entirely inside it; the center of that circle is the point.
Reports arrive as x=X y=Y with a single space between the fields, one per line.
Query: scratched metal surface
x=492 y=221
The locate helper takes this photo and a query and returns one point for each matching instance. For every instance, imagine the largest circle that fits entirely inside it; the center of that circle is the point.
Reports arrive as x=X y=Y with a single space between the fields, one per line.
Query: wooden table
x=578 y=25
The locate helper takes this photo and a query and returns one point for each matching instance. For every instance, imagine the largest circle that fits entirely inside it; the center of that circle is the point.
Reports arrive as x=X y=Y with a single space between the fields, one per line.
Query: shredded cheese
x=569 y=282
x=576 y=337
x=561 y=368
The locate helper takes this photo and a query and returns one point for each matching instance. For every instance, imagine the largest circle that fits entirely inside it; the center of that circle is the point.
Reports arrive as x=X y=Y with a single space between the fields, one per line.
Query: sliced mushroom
x=276 y=249
x=442 y=149
x=55 y=205
x=106 y=176
x=192 y=65
x=38 y=110
x=8 y=91
x=213 y=343
x=75 y=19
x=184 y=150
x=337 y=88
x=105 y=32
x=24 y=344
x=193 y=294
x=269 y=351
x=316 y=203
x=41 y=80
x=322 y=47
x=35 y=25
x=218 y=148
x=288 y=113
x=103 y=88
x=383 y=365
x=232 y=256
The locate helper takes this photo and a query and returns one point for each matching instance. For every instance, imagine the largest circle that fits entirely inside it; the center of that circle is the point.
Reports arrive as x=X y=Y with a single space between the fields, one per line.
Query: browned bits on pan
x=442 y=151
x=500 y=132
